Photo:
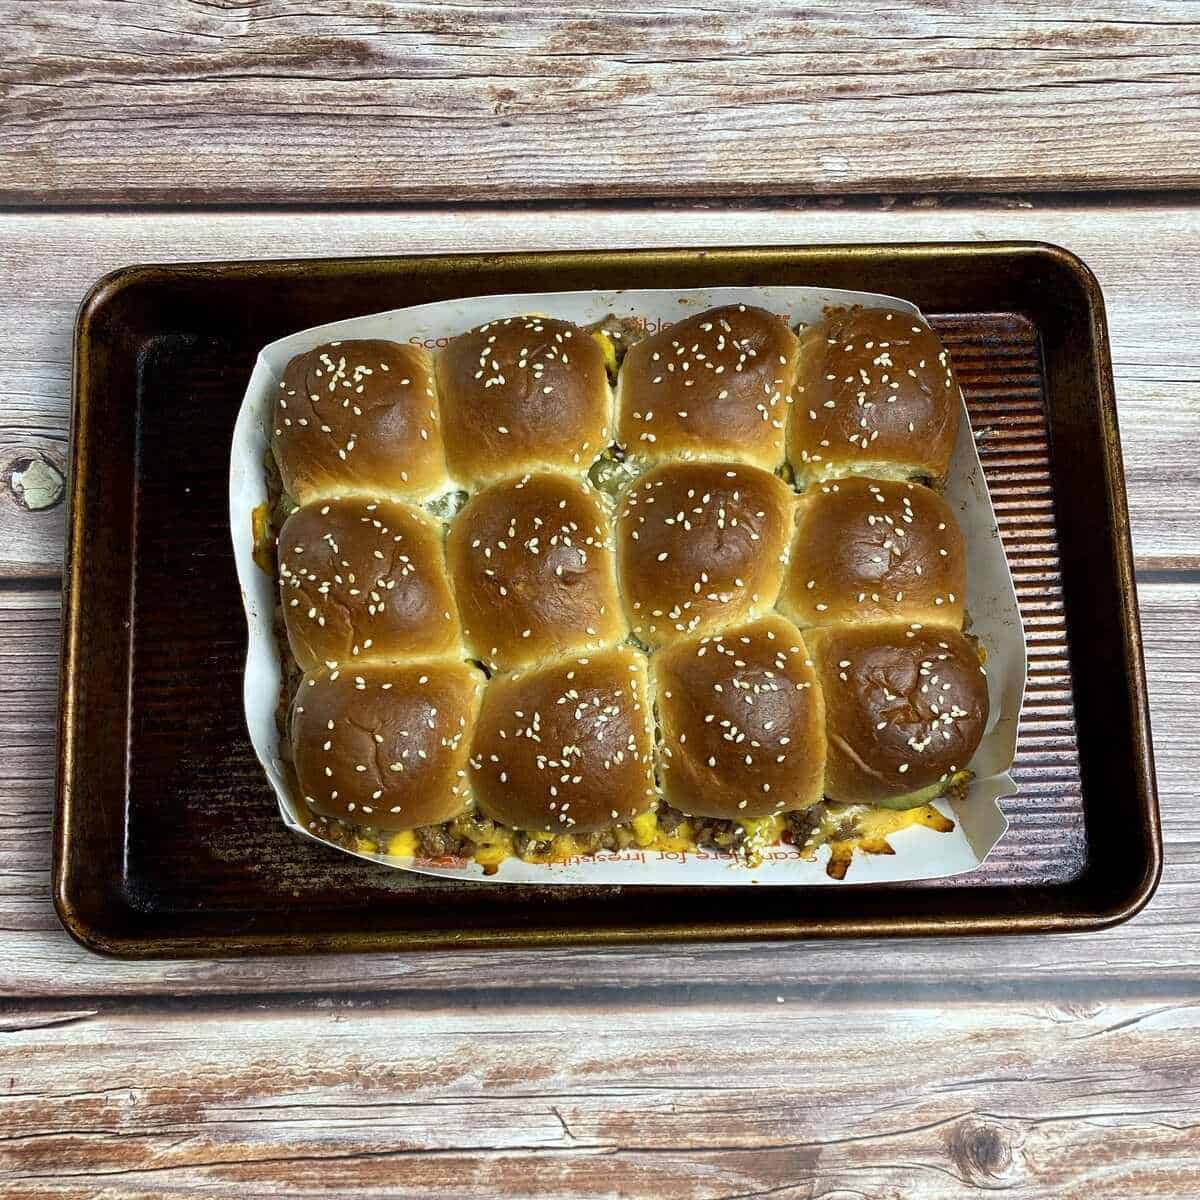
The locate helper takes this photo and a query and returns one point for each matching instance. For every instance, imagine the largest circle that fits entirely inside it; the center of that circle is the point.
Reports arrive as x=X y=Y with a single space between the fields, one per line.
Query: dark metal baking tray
x=168 y=840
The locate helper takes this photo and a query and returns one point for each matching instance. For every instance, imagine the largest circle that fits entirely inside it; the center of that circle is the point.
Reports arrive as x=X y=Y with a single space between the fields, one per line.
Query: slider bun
x=364 y=578
x=701 y=544
x=875 y=395
x=533 y=571
x=386 y=746
x=872 y=550
x=358 y=416
x=523 y=393
x=905 y=707
x=716 y=384
x=742 y=719
x=566 y=747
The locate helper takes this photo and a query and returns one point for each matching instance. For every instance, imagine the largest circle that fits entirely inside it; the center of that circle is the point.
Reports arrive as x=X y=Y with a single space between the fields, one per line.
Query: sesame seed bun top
x=872 y=550
x=906 y=706
x=365 y=579
x=542 y=577
x=386 y=746
x=532 y=565
x=714 y=385
x=520 y=394
x=700 y=544
x=875 y=395
x=359 y=416
x=566 y=747
x=742 y=722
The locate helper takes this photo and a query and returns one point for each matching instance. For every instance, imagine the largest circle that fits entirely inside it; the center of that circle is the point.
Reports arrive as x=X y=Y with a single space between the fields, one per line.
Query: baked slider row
x=864 y=392
x=482 y=630
x=758 y=720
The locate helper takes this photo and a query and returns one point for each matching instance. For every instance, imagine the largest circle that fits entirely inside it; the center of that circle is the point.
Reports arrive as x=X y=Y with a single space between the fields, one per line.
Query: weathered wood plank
x=151 y=101
x=48 y=261
x=1059 y=1099
x=1156 y=955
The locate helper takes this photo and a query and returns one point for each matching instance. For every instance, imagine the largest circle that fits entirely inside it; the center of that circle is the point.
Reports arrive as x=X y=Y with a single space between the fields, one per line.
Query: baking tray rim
x=103 y=938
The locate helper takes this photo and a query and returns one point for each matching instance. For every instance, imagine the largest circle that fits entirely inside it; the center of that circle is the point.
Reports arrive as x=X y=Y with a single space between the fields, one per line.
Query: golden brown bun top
x=364 y=579
x=742 y=722
x=386 y=746
x=872 y=550
x=358 y=416
x=700 y=544
x=905 y=706
x=532 y=565
x=523 y=393
x=875 y=389
x=714 y=385
x=566 y=747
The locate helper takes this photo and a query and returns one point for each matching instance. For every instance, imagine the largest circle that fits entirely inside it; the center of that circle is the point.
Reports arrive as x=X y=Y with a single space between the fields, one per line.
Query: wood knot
x=980 y=1150
x=503 y=97
x=35 y=480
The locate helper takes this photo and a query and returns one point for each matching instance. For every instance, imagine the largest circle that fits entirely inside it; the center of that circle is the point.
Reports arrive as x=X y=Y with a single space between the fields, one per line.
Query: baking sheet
x=991 y=601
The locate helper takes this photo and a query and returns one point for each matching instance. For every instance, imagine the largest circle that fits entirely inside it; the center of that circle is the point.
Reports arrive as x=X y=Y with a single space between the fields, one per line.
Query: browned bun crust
x=532 y=565
x=566 y=747
x=701 y=544
x=359 y=416
x=875 y=550
x=743 y=727
x=386 y=746
x=905 y=707
x=714 y=385
x=520 y=394
x=363 y=578
x=875 y=395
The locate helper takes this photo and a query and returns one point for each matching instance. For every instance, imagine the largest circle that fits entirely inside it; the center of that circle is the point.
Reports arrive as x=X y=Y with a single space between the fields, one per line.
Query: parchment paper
x=991 y=602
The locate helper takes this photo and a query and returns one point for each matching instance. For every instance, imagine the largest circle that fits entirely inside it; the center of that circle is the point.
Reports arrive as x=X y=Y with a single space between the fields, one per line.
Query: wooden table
x=156 y=130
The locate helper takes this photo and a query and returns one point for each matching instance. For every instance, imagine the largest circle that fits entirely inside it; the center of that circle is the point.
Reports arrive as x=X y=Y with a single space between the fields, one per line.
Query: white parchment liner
x=991 y=601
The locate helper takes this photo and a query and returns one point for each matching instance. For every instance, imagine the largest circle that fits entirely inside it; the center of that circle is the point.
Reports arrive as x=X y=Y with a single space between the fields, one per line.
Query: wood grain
x=368 y=101
x=1157 y=955
x=48 y=262
x=1063 y=1067
x=1049 y=1100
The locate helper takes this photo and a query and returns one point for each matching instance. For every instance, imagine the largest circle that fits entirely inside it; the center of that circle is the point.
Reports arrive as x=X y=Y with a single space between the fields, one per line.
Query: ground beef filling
x=710 y=833
x=800 y=826
x=464 y=836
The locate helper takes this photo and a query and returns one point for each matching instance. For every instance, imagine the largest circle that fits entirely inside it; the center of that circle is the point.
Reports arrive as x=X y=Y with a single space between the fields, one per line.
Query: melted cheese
x=493 y=853
x=682 y=839
x=260 y=531
x=871 y=825
x=608 y=349
x=758 y=834
x=550 y=847
x=403 y=844
x=764 y=831
x=645 y=829
x=878 y=823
